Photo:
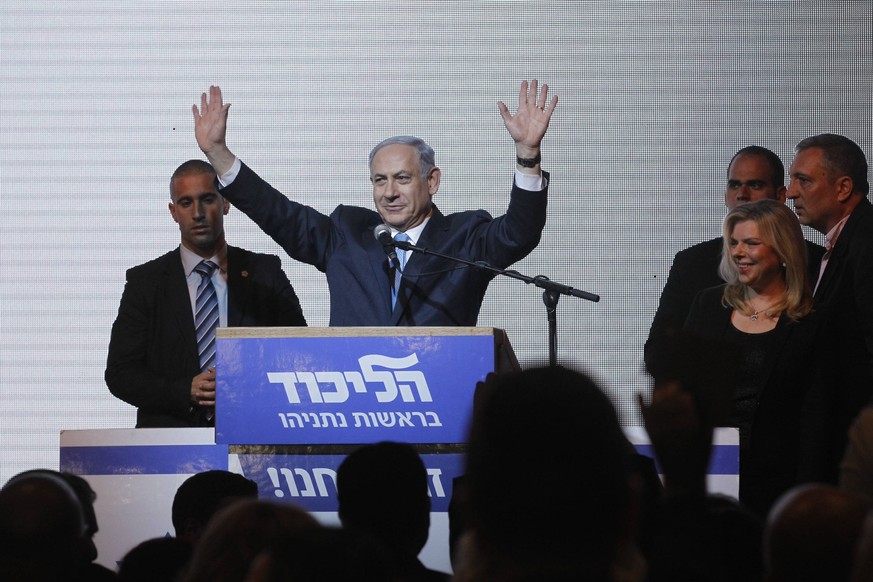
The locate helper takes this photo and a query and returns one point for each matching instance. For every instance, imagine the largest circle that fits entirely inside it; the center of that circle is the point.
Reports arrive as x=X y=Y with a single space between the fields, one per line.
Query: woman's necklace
x=764 y=311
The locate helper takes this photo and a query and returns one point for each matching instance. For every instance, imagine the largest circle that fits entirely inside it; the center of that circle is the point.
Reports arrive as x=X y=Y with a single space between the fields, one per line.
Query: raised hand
x=528 y=126
x=682 y=443
x=210 y=129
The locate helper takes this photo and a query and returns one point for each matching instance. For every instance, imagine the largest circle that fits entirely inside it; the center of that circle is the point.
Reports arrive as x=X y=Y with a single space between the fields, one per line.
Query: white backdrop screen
x=655 y=97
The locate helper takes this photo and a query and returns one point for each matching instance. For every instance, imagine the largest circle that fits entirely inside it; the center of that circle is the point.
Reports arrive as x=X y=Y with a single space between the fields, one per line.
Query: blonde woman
x=765 y=309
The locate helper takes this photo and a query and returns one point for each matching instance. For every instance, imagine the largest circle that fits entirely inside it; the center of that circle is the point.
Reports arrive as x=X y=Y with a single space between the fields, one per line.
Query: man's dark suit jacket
x=433 y=292
x=153 y=350
x=790 y=430
x=695 y=269
x=846 y=290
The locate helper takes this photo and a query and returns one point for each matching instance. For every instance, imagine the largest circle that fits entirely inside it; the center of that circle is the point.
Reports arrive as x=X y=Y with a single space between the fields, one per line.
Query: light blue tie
x=206 y=314
x=401 y=256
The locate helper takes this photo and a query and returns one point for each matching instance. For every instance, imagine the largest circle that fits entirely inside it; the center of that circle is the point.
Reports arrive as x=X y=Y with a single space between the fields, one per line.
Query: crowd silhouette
x=597 y=510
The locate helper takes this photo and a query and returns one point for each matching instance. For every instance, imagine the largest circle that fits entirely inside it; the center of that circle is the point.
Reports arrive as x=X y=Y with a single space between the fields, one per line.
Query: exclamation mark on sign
x=274 y=477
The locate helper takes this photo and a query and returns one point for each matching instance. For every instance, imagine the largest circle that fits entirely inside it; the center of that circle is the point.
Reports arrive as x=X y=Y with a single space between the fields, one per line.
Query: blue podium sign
x=309 y=481
x=366 y=385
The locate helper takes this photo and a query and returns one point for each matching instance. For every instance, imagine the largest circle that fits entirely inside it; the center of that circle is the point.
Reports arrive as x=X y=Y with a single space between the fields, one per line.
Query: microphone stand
x=552 y=290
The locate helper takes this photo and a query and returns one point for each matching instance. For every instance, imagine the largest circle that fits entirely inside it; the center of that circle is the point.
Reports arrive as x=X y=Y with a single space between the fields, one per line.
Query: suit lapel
x=431 y=237
x=238 y=287
x=179 y=301
x=841 y=249
x=379 y=269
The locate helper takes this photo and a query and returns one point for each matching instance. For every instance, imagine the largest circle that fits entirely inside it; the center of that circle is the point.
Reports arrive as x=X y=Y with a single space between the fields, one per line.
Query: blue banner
x=724 y=459
x=348 y=390
x=143 y=459
x=309 y=481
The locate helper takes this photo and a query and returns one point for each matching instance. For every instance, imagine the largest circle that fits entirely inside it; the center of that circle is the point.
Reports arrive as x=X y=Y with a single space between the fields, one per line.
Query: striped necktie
x=398 y=274
x=206 y=314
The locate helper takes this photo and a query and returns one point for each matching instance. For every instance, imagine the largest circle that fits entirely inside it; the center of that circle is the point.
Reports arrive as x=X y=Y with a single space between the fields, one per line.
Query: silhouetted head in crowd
x=86 y=497
x=237 y=534
x=203 y=494
x=89 y=569
x=44 y=530
x=382 y=490
x=324 y=555
x=549 y=488
x=156 y=559
x=812 y=534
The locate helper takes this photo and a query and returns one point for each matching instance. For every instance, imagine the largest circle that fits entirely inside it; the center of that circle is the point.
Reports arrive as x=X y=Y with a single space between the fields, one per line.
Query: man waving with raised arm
x=366 y=288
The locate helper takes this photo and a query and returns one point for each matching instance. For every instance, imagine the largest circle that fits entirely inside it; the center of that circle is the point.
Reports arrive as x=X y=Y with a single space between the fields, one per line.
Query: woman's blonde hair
x=780 y=230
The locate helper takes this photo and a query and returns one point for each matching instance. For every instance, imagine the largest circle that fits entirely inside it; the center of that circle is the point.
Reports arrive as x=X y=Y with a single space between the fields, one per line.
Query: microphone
x=383 y=235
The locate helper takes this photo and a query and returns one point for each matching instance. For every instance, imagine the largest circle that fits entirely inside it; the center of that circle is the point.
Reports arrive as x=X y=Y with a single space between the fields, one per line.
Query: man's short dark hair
x=777 y=168
x=192 y=167
x=201 y=495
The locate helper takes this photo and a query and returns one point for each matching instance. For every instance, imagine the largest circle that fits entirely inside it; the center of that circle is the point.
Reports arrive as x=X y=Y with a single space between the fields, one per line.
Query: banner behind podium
x=318 y=386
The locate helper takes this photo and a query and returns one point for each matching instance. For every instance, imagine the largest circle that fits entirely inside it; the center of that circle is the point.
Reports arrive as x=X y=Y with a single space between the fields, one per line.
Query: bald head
x=43 y=527
x=811 y=534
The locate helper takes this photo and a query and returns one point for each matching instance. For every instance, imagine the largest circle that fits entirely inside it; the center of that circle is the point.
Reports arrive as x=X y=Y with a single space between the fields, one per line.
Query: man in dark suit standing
x=365 y=288
x=754 y=173
x=829 y=188
x=162 y=350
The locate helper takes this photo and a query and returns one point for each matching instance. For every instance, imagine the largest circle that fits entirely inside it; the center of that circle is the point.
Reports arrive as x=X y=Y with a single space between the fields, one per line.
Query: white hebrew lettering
x=288 y=381
x=289 y=480
x=358 y=416
x=308 y=378
x=320 y=475
x=417 y=379
x=341 y=392
x=386 y=378
x=356 y=380
x=313 y=418
x=390 y=375
x=308 y=489
x=387 y=419
x=436 y=482
x=334 y=419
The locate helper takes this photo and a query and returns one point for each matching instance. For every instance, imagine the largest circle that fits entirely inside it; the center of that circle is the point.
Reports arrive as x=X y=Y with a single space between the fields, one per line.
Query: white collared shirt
x=219 y=281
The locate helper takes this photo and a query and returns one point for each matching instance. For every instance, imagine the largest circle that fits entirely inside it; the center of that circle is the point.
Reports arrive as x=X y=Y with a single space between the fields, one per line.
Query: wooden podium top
x=238 y=332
